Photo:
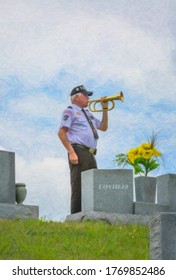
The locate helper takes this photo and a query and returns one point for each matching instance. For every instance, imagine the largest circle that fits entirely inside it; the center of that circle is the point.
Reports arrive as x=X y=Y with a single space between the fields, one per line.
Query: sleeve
x=67 y=117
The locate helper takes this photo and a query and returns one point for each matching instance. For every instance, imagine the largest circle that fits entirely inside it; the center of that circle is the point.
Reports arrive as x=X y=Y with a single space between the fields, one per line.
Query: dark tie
x=91 y=125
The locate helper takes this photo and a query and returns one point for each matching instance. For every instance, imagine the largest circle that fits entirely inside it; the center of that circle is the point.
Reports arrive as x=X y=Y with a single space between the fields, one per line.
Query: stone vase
x=21 y=192
x=145 y=189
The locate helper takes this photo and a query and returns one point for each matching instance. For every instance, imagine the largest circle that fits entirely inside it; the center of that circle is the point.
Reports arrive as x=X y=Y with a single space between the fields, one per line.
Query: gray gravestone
x=107 y=190
x=166 y=190
x=163 y=237
x=7 y=177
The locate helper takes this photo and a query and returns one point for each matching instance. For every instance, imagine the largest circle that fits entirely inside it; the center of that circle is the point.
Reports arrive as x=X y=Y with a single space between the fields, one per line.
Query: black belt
x=91 y=150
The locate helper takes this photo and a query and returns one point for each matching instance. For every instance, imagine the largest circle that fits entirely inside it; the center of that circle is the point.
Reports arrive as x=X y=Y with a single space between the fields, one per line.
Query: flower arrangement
x=143 y=158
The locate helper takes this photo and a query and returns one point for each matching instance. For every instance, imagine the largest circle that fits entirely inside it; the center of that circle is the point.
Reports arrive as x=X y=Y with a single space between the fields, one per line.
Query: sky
x=48 y=47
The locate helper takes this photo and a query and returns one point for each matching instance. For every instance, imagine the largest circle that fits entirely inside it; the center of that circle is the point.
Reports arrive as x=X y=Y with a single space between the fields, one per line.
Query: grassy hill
x=47 y=240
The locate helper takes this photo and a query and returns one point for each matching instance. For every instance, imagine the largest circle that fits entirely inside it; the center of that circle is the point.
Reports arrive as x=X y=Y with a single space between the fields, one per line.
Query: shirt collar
x=76 y=107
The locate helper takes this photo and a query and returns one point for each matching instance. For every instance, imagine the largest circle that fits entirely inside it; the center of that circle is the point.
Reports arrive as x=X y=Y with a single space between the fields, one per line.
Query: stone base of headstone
x=13 y=211
x=147 y=208
x=166 y=190
x=163 y=237
x=107 y=190
x=111 y=218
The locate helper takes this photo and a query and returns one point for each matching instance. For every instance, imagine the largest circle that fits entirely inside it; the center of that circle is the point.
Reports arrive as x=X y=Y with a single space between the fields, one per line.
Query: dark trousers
x=86 y=161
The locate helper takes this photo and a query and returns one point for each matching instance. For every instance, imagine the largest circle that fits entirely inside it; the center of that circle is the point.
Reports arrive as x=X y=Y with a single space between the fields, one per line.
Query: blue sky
x=49 y=46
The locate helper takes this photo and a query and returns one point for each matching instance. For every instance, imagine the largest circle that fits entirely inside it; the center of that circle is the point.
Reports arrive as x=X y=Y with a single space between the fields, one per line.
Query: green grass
x=42 y=240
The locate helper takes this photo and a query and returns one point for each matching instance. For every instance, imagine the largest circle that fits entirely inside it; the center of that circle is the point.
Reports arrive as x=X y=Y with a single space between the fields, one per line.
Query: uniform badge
x=65 y=117
x=78 y=113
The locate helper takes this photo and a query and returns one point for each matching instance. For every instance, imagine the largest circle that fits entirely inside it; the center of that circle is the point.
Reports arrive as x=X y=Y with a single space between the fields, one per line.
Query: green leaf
x=152 y=167
x=141 y=161
x=121 y=160
x=138 y=169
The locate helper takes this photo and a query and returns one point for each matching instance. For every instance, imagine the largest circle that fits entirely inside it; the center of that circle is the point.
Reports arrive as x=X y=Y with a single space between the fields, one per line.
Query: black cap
x=80 y=89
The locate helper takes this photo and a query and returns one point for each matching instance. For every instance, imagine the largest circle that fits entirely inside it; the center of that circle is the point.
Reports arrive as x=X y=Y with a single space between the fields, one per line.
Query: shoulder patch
x=65 y=117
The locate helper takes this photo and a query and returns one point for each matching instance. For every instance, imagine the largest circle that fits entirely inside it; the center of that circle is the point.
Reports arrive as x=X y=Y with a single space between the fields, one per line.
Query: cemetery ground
x=90 y=240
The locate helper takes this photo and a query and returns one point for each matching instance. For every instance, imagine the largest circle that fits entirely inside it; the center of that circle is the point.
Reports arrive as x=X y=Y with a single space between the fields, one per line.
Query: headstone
x=166 y=190
x=163 y=237
x=107 y=190
x=7 y=177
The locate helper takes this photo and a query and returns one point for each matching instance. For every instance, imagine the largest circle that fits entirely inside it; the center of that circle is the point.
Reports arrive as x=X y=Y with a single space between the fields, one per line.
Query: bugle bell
x=92 y=103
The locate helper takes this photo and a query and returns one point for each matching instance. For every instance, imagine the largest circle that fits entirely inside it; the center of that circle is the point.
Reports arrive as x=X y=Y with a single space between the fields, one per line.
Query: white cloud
x=38 y=105
x=40 y=40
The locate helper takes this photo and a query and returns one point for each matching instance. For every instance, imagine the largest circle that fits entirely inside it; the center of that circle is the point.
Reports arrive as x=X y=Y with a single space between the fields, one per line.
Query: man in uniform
x=78 y=134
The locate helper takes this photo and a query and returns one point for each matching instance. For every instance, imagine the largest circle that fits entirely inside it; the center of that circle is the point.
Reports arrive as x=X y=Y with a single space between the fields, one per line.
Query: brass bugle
x=92 y=103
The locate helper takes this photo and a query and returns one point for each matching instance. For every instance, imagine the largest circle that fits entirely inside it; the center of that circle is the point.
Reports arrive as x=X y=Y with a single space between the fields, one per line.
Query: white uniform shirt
x=79 y=130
